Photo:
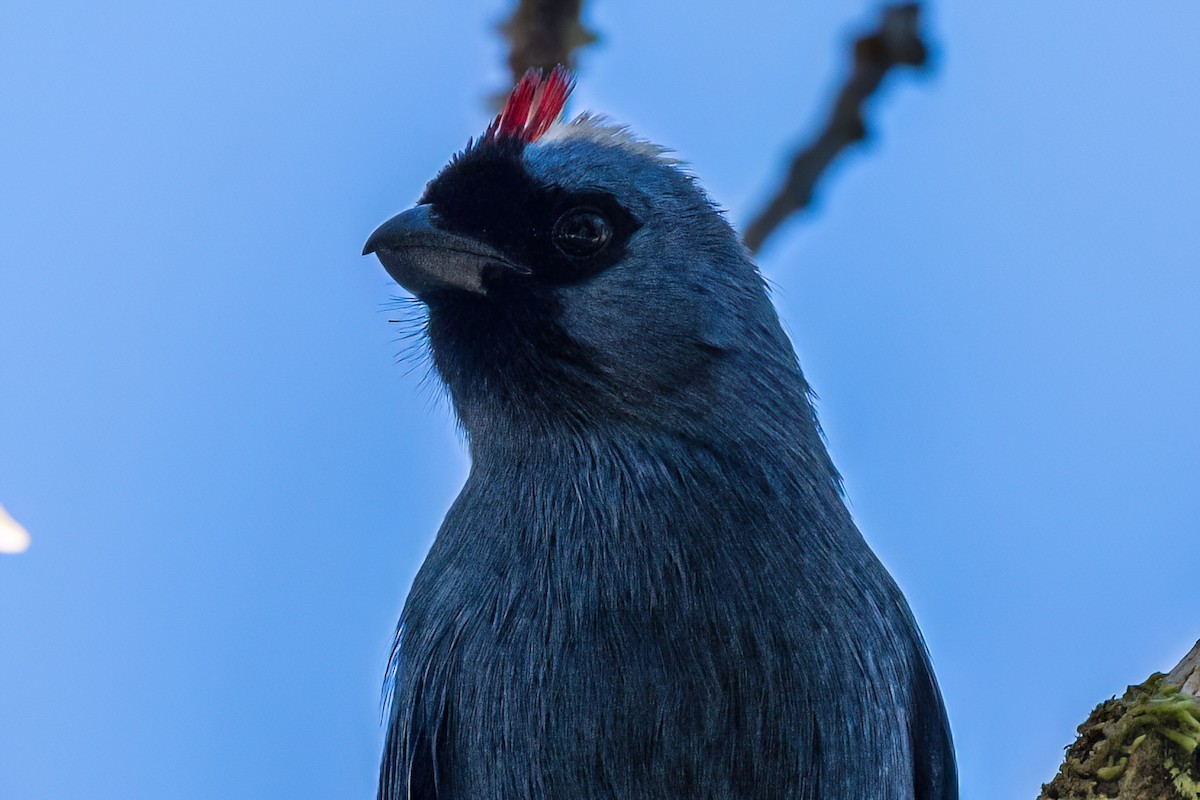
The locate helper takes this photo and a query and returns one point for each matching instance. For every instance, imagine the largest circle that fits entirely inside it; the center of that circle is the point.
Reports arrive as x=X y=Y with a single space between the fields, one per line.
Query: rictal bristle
x=534 y=105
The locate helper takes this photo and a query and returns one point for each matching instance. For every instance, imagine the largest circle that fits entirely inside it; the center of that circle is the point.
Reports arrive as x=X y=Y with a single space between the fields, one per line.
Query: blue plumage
x=650 y=586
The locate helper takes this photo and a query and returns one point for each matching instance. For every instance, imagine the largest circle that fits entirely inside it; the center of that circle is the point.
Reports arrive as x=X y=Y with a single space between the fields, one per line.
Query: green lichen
x=1184 y=783
x=1154 y=707
x=1148 y=738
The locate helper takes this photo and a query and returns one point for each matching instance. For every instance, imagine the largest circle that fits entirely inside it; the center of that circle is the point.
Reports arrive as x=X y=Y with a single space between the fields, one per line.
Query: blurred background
x=230 y=478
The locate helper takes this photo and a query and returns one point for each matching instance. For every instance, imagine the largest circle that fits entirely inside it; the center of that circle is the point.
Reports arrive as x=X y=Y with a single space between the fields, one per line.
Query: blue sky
x=230 y=480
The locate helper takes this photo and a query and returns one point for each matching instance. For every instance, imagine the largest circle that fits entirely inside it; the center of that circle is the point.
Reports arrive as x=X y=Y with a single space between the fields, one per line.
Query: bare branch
x=543 y=33
x=897 y=42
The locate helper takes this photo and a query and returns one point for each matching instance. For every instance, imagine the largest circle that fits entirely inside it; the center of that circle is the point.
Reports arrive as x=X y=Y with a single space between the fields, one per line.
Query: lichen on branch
x=1144 y=745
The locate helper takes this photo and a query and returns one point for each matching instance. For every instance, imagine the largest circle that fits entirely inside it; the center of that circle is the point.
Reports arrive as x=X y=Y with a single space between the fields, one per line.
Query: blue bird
x=650 y=585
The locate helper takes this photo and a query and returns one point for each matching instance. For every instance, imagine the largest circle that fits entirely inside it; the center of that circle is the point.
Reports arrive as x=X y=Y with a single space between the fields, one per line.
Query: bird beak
x=424 y=259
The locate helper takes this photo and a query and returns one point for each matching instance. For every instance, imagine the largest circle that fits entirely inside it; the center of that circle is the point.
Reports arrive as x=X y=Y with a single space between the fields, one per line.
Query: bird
x=650 y=585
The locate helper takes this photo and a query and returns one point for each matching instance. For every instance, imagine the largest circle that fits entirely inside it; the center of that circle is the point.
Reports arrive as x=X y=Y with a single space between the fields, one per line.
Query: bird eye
x=581 y=232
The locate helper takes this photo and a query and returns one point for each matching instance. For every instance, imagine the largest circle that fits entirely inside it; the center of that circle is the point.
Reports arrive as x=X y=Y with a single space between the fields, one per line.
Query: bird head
x=574 y=273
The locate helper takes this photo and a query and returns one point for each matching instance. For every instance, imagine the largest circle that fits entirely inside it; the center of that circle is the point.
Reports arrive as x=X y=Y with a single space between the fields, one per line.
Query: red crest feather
x=534 y=105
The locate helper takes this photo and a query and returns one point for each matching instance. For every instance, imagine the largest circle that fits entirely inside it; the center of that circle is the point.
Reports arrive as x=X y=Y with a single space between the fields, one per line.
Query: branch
x=897 y=42
x=543 y=33
x=1144 y=746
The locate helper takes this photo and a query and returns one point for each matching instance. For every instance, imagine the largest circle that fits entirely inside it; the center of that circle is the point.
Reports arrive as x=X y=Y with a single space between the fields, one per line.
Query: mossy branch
x=1143 y=746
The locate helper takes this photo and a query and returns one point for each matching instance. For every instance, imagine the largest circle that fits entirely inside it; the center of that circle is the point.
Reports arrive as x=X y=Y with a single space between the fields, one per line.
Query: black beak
x=423 y=258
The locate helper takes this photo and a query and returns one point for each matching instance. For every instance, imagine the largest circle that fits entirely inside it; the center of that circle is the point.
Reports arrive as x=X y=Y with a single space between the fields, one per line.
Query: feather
x=534 y=105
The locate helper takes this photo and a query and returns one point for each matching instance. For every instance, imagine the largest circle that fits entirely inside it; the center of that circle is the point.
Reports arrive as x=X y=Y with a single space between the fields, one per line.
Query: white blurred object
x=13 y=538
